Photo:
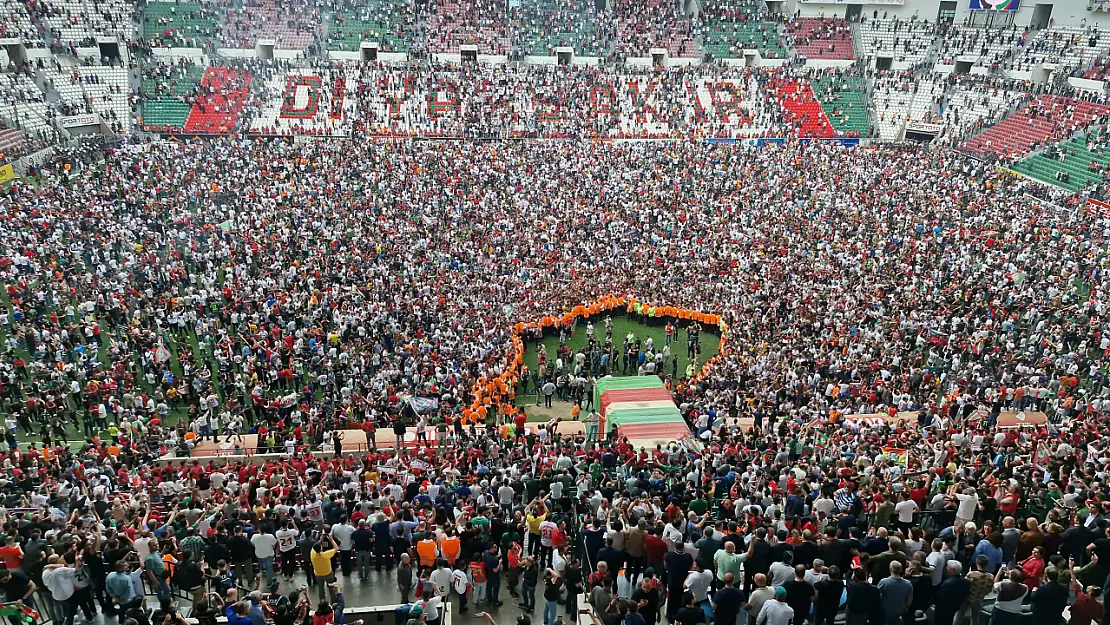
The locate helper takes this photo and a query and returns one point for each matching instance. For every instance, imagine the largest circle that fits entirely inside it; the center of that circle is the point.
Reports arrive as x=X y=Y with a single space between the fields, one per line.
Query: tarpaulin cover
x=633 y=395
x=644 y=415
x=634 y=382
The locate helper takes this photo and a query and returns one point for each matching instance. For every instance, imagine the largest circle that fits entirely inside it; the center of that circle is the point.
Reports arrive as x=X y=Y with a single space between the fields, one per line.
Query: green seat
x=538 y=19
x=844 y=102
x=762 y=35
x=387 y=22
x=165 y=112
x=186 y=22
x=1043 y=168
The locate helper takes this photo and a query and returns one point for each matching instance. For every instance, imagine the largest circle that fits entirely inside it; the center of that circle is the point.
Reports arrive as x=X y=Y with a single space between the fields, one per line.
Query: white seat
x=907 y=41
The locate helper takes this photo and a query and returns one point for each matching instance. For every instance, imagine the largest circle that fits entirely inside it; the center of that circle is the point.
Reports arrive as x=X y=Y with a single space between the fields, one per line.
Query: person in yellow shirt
x=321 y=564
x=536 y=514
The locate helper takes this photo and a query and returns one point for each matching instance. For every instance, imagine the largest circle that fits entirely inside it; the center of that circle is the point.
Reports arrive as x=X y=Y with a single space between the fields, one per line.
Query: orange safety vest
x=451 y=548
x=426 y=549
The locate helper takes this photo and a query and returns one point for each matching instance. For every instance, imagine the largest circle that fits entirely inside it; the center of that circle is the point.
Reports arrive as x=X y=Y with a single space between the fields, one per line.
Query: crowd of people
x=873 y=298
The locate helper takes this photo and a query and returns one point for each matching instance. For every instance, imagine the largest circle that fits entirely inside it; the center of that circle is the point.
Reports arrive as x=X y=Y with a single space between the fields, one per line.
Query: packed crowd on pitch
x=175 y=292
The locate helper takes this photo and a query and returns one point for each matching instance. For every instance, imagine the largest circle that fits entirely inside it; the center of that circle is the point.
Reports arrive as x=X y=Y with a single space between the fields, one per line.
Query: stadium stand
x=103 y=90
x=172 y=79
x=800 y=107
x=822 y=38
x=303 y=104
x=389 y=23
x=1074 y=47
x=220 y=98
x=293 y=27
x=179 y=24
x=1069 y=164
x=642 y=25
x=970 y=106
x=843 y=97
x=1100 y=70
x=728 y=28
x=927 y=94
x=12 y=143
x=23 y=105
x=1047 y=118
x=987 y=46
x=904 y=41
x=893 y=96
x=166 y=90
x=543 y=25
x=483 y=23
x=76 y=22
x=15 y=21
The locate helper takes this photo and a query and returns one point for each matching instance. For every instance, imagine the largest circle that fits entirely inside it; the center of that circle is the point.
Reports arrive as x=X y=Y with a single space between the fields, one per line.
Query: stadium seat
x=822 y=38
x=220 y=99
x=1048 y=118
x=182 y=24
x=543 y=25
x=844 y=101
x=389 y=23
x=801 y=108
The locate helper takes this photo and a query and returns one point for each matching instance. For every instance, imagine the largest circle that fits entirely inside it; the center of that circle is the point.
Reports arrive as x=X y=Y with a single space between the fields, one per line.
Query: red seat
x=220 y=99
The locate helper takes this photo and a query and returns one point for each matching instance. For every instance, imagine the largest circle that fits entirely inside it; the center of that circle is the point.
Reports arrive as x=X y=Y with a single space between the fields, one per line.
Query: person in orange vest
x=428 y=551
x=450 y=546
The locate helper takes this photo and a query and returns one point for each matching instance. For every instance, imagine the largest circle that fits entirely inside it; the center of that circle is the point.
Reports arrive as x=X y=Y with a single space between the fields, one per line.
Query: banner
x=1041 y=454
x=994 y=5
x=74 y=121
x=924 y=127
x=1099 y=208
x=424 y=405
x=6 y=173
x=897 y=455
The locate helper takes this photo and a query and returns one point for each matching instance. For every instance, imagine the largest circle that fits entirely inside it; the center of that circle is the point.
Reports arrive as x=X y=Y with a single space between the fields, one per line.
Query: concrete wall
x=196 y=54
x=1064 y=12
x=923 y=9
x=1096 y=86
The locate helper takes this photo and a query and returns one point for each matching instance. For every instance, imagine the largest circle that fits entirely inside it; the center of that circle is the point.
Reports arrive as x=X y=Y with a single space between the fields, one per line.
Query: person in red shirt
x=11 y=554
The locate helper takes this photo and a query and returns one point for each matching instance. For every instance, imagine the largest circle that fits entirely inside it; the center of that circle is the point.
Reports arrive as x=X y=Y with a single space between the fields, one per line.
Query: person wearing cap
x=777 y=611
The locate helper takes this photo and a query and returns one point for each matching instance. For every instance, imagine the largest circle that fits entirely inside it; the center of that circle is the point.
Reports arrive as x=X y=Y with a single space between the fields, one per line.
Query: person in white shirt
x=58 y=579
x=287 y=544
x=505 y=496
x=342 y=534
x=699 y=582
x=969 y=503
x=905 y=510
x=264 y=550
x=776 y=612
x=432 y=603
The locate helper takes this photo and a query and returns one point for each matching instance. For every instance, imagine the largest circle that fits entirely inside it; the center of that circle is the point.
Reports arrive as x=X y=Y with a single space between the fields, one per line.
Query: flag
x=897 y=455
x=1041 y=454
x=161 y=354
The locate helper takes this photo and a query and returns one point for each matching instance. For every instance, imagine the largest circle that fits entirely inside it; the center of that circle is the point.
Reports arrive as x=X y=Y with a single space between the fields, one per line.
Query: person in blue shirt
x=238 y=613
x=254 y=610
x=119 y=588
x=991 y=547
